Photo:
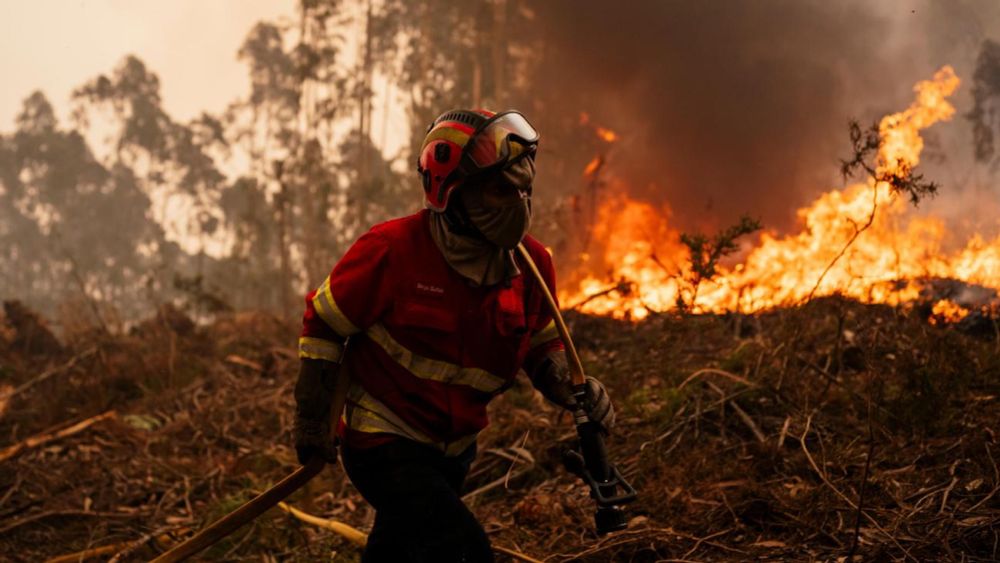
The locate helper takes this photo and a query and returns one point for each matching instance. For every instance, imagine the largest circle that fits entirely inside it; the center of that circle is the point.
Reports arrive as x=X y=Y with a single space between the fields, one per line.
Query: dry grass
x=804 y=434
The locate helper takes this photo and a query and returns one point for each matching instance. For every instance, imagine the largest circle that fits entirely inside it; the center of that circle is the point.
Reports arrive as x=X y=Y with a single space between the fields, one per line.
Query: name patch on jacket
x=430 y=289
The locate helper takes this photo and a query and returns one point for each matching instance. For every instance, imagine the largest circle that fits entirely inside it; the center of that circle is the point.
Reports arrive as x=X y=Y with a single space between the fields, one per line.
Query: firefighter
x=431 y=316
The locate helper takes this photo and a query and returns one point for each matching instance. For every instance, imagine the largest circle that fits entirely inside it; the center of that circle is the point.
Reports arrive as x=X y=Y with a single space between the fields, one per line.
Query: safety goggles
x=503 y=139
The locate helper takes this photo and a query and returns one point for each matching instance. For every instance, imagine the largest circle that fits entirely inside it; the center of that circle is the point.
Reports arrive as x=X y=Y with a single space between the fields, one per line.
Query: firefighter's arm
x=546 y=363
x=353 y=297
x=313 y=395
x=320 y=351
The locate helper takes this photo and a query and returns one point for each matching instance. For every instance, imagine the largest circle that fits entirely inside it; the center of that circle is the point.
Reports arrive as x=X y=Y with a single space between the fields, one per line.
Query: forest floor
x=816 y=433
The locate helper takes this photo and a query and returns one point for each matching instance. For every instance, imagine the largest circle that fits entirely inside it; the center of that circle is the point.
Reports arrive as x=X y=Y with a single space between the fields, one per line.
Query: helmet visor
x=504 y=138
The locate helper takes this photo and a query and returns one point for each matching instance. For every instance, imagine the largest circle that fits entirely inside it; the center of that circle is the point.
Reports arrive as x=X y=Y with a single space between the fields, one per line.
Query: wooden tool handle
x=262 y=502
x=575 y=367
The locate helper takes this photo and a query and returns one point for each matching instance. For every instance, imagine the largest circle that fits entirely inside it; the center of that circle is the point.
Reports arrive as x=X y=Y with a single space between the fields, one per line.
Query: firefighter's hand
x=600 y=409
x=312 y=438
x=551 y=376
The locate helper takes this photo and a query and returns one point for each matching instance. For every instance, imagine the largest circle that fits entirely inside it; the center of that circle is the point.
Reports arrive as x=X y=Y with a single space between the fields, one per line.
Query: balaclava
x=478 y=239
x=505 y=225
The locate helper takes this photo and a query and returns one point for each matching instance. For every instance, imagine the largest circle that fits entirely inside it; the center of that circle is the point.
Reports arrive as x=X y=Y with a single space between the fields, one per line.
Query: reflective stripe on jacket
x=426 y=351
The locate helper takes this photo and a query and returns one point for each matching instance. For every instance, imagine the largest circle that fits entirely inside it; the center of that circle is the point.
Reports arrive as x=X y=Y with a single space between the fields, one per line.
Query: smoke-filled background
x=112 y=202
x=727 y=107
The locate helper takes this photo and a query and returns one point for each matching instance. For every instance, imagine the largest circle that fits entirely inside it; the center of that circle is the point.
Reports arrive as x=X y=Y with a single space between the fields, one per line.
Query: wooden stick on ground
x=107 y=549
x=90 y=553
x=360 y=538
x=51 y=435
x=353 y=535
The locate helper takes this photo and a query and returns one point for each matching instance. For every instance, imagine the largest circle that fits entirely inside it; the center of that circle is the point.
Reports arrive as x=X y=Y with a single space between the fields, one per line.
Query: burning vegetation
x=861 y=242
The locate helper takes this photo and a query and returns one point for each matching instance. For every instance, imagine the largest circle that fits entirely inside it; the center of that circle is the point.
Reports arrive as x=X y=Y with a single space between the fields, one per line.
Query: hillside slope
x=748 y=438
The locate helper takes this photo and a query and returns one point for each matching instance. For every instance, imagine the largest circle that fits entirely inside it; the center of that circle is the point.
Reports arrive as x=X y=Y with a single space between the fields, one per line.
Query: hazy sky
x=56 y=45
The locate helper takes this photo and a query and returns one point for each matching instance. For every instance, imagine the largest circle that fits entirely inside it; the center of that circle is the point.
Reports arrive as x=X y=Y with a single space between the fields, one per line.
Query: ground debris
x=834 y=431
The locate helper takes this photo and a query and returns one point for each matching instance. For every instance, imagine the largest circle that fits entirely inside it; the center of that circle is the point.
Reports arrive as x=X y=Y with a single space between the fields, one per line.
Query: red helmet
x=463 y=143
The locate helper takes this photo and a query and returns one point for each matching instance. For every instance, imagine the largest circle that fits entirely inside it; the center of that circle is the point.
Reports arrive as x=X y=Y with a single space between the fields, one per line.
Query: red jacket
x=426 y=352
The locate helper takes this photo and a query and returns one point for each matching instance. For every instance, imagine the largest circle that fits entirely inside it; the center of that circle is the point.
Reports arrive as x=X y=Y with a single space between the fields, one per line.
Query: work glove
x=600 y=408
x=551 y=376
x=312 y=438
x=313 y=394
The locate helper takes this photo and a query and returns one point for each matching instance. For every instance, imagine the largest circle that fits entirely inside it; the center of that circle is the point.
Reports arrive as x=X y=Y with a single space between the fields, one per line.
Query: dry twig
x=52 y=435
x=48 y=374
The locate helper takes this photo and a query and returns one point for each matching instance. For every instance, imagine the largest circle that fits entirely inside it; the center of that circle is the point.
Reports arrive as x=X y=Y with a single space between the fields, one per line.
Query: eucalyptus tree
x=169 y=162
x=72 y=226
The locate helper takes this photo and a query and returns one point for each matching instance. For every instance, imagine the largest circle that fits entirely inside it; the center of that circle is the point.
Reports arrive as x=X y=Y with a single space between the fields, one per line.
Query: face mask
x=504 y=226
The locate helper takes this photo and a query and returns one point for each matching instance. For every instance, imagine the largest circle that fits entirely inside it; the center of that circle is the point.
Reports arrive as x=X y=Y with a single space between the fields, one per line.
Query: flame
x=603 y=133
x=644 y=267
x=593 y=165
x=947 y=311
x=607 y=135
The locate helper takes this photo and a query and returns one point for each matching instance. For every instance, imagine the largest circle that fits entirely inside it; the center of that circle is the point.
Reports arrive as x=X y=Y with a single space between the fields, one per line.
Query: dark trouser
x=419 y=514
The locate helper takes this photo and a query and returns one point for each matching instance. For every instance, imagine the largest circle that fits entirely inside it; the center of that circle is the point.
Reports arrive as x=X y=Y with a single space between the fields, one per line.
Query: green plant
x=705 y=254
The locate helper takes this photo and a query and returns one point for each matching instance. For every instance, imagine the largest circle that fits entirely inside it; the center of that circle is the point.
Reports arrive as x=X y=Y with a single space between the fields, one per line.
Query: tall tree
x=167 y=160
x=78 y=227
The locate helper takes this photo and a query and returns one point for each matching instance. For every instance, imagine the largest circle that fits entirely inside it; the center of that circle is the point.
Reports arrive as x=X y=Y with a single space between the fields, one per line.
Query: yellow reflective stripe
x=546 y=334
x=328 y=310
x=319 y=349
x=370 y=423
x=367 y=414
x=434 y=370
x=448 y=134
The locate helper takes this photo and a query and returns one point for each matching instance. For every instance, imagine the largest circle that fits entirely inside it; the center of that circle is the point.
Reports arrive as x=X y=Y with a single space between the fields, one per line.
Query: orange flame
x=603 y=133
x=593 y=165
x=947 y=311
x=607 y=135
x=882 y=265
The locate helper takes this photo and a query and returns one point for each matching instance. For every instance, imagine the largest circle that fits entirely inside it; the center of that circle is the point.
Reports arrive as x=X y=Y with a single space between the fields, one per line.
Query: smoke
x=732 y=107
